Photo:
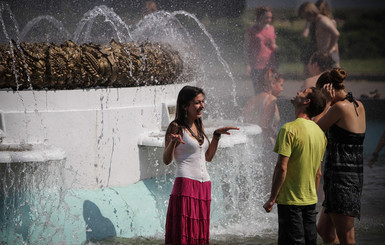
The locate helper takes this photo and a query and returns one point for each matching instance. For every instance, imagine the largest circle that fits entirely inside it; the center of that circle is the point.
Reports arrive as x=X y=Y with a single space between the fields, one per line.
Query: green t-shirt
x=304 y=143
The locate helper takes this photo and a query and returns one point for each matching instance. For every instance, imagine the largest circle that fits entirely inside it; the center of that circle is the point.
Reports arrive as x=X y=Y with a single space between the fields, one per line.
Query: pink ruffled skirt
x=188 y=214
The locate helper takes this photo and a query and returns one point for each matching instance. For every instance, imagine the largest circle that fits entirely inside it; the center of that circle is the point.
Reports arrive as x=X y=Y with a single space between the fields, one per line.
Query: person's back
x=346 y=112
x=262 y=109
x=344 y=121
x=326 y=32
x=300 y=146
x=351 y=120
x=255 y=108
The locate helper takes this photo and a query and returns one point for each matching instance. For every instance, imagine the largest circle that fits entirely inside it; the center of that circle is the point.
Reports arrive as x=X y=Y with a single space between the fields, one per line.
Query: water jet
x=93 y=116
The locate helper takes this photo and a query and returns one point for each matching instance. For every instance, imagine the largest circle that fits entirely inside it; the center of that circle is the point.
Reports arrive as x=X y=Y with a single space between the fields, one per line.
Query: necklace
x=199 y=138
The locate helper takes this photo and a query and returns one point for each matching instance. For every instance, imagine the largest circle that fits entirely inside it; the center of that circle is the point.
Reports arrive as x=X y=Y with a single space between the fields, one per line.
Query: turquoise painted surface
x=79 y=215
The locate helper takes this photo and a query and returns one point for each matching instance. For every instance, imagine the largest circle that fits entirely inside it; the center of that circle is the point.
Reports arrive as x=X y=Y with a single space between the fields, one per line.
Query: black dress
x=343 y=173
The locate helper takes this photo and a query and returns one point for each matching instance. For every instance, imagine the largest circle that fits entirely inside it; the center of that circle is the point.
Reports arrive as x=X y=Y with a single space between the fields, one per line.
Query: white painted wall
x=97 y=128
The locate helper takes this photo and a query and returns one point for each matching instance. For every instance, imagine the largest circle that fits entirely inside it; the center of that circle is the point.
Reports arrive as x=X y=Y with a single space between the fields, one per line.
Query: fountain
x=82 y=133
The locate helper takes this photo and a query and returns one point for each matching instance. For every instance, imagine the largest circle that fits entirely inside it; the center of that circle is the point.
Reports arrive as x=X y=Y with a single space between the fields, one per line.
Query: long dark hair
x=185 y=96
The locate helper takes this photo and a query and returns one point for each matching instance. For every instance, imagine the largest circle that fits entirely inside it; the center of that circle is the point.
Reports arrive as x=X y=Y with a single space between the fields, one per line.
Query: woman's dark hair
x=336 y=77
x=317 y=102
x=185 y=96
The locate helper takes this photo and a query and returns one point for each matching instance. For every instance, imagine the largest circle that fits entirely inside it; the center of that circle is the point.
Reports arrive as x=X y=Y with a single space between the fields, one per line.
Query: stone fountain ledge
x=37 y=153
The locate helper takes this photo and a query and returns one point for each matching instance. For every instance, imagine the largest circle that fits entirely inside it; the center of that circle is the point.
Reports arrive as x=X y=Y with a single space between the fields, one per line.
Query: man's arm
x=279 y=177
x=374 y=156
x=318 y=177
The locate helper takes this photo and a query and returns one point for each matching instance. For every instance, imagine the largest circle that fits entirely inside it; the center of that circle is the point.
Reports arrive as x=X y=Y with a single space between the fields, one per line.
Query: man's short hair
x=317 y=102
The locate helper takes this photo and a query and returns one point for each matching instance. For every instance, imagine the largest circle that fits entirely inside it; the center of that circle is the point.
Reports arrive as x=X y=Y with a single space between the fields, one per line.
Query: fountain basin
x=112 y=181
x=96 y=128
x=37 y=153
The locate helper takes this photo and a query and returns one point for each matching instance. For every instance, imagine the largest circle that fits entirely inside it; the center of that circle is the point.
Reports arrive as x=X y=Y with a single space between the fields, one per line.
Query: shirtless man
x=319 y=62
x=326 y=32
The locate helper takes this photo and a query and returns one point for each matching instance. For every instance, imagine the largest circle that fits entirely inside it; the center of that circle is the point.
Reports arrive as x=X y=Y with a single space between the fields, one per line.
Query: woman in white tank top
x=188 y=215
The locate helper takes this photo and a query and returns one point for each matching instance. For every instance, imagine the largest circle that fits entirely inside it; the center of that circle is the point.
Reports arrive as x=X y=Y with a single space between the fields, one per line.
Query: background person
x=300 y=146
x=319 y=62
x=344 y=120
x=261 y=109
x=259 y=46
x=309 y=31
x=188 y=214
x=326 y=33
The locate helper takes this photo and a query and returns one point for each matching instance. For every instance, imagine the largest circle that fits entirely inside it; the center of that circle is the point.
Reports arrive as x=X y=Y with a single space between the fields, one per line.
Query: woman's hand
x=329 y=92
x=225 y=130
x=176 y=138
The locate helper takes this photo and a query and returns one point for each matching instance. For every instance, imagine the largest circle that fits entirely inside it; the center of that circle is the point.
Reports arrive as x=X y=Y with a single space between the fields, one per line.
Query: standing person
x=262 y=109
x=300 y=145
x=326 y=33
x=373 y=159
x=259 y=45
x=344 y=120
x=188 y=214
x=319 y=62
x=309 y=30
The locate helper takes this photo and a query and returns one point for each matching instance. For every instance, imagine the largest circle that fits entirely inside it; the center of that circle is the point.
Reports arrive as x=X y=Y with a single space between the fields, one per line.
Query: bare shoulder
x=361 y=107
x=324 y=19
x=173 y=128
x=325 y=22
x=338 y=109
x=347 y=107
x=341 y=105
x=271 y=99
x=360 y=104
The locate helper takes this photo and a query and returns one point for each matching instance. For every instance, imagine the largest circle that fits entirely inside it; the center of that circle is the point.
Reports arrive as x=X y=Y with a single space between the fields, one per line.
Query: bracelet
x=216 y=135
x=375 y=154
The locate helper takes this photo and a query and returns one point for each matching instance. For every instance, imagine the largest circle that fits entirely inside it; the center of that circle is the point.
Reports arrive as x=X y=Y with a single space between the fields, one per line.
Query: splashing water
x=121 y=29
x=238 y=173
x=34 y=22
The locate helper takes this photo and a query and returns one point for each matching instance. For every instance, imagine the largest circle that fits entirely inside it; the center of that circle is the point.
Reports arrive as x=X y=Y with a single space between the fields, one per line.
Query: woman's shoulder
x=174 y=127
x=345 y=106
x=341 y=105
x=271 y=98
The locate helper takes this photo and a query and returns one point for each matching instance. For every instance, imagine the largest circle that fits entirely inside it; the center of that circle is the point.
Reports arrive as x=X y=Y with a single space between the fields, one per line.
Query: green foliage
x=291 y=45
x=363 y=35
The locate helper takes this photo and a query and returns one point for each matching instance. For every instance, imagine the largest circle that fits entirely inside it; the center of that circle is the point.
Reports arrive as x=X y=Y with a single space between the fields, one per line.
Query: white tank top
x=190 y=159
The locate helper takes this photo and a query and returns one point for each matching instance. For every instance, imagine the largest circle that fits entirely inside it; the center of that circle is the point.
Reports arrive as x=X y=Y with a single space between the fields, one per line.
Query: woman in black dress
x=344 y=121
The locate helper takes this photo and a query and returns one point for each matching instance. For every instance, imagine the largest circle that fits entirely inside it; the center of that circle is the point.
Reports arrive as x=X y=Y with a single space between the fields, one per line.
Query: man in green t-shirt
x=300 y=146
